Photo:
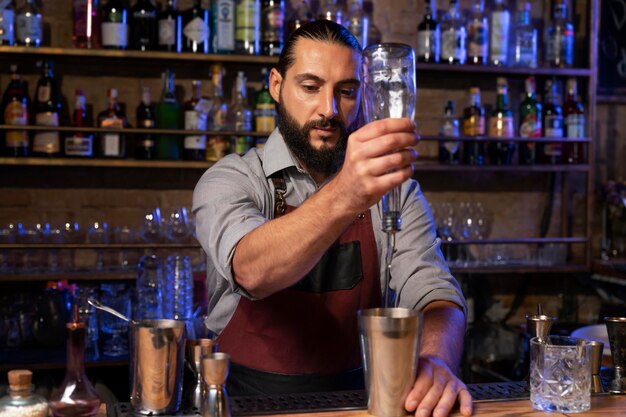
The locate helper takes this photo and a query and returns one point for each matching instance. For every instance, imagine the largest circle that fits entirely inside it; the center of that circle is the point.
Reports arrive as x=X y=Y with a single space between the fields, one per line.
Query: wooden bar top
x=601 y=406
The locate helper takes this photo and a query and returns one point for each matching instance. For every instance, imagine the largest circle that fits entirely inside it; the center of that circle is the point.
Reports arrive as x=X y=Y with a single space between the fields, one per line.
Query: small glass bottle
x=76 y=397
x=450 y=151
x=21 y=401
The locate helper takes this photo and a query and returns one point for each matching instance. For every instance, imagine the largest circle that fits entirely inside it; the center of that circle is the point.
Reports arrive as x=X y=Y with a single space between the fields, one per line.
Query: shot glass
x=560 y=374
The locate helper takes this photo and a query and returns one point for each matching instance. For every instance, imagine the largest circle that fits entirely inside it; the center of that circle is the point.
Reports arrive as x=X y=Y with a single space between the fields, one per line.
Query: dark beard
x=326 y=160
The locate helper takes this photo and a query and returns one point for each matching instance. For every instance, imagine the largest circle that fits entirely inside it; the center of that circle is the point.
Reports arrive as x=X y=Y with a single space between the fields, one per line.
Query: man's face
x=318 y=102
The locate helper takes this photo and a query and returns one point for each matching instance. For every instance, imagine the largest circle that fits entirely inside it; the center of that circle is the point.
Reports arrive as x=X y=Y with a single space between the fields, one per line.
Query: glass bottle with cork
x=75 y=396
x=112 y=144
x=574 y=119
x=530 y=115
x=21 y=400
x=428 y=35
x=168 y=112
x=552 y=152
x=501 y=126
x=80 y=144
x=47 y=109
x=15 y=105
x=474 y=125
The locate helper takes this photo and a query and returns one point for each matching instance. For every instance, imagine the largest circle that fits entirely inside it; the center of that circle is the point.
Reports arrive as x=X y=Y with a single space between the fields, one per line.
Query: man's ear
x=276 y=81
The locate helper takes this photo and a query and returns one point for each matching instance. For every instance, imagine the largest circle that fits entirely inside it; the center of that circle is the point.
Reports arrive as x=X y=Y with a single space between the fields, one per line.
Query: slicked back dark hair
x=319 y=30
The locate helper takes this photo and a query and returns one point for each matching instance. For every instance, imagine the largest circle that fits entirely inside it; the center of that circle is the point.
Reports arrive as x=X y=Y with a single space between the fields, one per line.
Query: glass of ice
x=560 y=374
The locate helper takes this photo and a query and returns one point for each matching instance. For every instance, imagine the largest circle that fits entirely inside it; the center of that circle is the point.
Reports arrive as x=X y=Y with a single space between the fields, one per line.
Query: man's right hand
x=379 y=157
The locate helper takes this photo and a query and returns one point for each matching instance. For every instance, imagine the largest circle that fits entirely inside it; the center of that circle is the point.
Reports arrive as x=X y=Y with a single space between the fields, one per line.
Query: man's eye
x=310 y=88
x=348 y=92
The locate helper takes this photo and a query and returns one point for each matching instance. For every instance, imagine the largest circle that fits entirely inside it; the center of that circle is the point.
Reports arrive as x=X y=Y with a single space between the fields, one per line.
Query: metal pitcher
x=156 y=366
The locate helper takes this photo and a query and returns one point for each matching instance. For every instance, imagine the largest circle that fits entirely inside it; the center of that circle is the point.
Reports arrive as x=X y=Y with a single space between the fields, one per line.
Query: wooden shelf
x=50 y=52
x=104 y=163
x=516 y=241
x=130 y=130
x=129 y=274
x=499 y=139
x=50 y=359
x=520 y=269
x=435 y=166
x=513 y=71
x=108 y=246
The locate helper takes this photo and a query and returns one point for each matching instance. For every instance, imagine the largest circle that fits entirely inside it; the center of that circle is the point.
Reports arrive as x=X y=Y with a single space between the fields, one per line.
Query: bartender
x=295 y=244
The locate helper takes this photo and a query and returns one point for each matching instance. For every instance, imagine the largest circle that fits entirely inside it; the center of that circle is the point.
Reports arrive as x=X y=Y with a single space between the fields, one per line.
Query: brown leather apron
x=311 y=327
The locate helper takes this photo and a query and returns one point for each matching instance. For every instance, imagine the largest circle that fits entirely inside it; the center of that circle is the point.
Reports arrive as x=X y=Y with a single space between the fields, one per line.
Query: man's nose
x=328 y=106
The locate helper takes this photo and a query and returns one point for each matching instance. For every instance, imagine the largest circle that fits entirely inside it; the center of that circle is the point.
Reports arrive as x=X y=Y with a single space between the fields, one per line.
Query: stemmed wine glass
x=389 y=92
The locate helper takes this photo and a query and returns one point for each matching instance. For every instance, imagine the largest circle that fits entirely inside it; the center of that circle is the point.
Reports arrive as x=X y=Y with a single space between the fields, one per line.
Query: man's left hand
x=436 y=390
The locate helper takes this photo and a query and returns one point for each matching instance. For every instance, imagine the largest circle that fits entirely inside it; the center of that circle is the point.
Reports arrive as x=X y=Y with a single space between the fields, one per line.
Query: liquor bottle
x=113 y=144
x=114 y=27
x=47 y=109
x=217 y=145
x=146 y=119
x=75 y=396
x=474 y=125
x=357 y=22
x=247 y=27
x=223 y=26
x=79 y=144
x=525 y=38
x=272 y=23
x=7 y=23
x=195 y=119
x=452 y=36
x=574 y=118
x=15 y=106
x=560 y=37
x=477 y=35
x=501 y=125
x=551 y=153
x=374 y=35
x=264 y=106
x=196 y=29
x=168 y=117
x=240 y=116
x=428 y=35
x=329 y=10
x=143 y=26
x=21 y=399
x=530 y=123
x=499 y=40
x=85 y=24
x=169 y=27
x=449 y=150
x=299 y=16
x=29 y=25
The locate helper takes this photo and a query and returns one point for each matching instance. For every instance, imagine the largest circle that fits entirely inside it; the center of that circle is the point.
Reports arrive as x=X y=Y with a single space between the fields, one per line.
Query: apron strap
x=280 y=188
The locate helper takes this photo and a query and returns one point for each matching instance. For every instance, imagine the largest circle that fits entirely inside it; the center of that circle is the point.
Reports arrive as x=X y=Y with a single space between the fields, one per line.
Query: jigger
x=195 y=350
x=596 y=362
x=215 y=369
x=538 y=325
x=616 y=329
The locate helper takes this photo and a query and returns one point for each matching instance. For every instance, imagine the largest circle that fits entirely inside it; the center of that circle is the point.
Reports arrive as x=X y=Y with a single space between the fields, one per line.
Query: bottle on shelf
x=453 y=35
x=530 y=116
x=330 y=10
x=552 y=153
x=374 y=35
x=357 y=21
x=168 y=113
x=75 y=396
x=114 y=26
x=7 y=23
x=112 y=144
x=524 y=38
x=272 y=23
x=449 y=150
x=196 y=109
x=499 y=39
x=501 y=126
x=574 y=119
x=300 y=15
x=428 y=35
x=85 y=24
x=146 y=119
x=240 y=116
x=560 y=37
x=223 y=32
x=143 y=26
x=29 y=24
x=169 y=27
x=47 y=111
x=217 y=145
x=15 y=105
x=264 y=107
x=248 y=27
x=474 y=125
x=477 y=35
x=79 y=144
x=21 y=399
x=196 y=29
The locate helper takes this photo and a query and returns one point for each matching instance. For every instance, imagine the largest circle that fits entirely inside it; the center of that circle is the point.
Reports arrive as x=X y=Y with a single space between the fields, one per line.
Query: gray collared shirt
x=235 y=196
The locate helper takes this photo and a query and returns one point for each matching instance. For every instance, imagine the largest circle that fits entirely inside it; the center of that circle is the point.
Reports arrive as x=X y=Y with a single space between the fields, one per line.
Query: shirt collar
x=276 y=155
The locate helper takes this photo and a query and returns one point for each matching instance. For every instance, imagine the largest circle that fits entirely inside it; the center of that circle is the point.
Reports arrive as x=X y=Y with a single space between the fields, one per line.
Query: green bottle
x=530 y=123
x=168 y=112
x=264 y=107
